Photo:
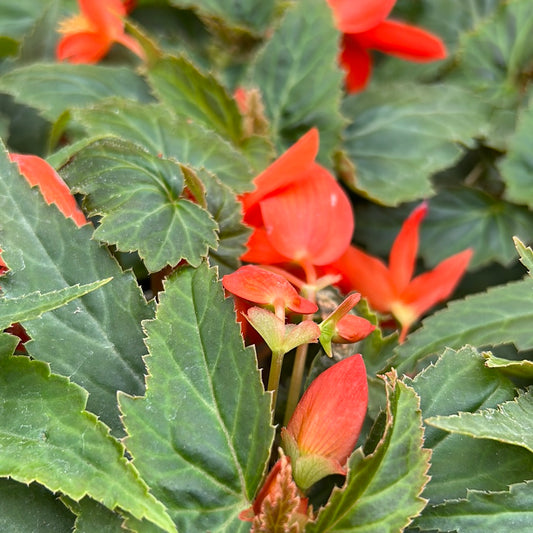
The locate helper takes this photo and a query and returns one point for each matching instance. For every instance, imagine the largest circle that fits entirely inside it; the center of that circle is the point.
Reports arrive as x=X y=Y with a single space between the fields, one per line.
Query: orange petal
x=105 y=15
x=289 y=167
x=403 y=40
x=54 y=190
x=85 y=47
x=351 y=328
x=368 y=275
x=436 y=285
x=353 y=16
x=261 y=286
x=357 y=62
x=403 y=253
x=260 y=250
x=329 y=416
x=132 y=44
x=310 y=221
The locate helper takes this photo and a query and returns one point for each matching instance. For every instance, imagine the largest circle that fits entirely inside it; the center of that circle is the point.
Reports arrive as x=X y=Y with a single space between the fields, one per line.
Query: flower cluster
x=302 y=225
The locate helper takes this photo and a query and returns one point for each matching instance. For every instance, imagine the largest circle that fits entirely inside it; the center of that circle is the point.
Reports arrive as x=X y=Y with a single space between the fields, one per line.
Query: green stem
x=295 y=386
x=274 y=375
x=296 y=381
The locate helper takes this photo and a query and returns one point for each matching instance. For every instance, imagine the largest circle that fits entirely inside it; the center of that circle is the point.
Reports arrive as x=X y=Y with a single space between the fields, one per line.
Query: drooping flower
x=326 y=423
x=364 y=29
x=344 y=328
x=299 y=212
x=392 y=288
x=38 y=172
x=89 y=35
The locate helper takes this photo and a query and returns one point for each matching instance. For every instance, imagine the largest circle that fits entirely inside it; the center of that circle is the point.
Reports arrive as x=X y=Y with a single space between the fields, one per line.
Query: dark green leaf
x=502 y=314
x=18 y=18
x=505 y=511
x=402 y=133
x=92 y=517
x=25 y=508
x=496 y=56
x=101 y=351
x=54 y=87
x=382 y=492
x=227 y=212
x=299 y=79
x=40 y=43
x=152 y=127
x=457 y=219
x=140 y=198
x=517 y=166
x=201 y=435
x=31 y=306
x=254 y=15
x=459 y=381
x=48 y=437
x=187 y=92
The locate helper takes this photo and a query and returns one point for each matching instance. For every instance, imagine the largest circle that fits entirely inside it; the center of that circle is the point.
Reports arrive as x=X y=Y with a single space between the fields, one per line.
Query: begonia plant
x=265 y=266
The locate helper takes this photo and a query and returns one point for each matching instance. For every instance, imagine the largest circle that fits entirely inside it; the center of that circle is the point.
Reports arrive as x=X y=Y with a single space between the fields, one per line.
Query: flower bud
x=326 y=423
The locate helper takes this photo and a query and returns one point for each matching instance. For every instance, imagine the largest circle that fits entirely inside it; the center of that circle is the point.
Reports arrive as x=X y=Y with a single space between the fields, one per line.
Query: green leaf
x=92 y=516
x=31 y=508
x=299 y=79
x=187 y=92
x=501 y=315
x=8 y=344
x=382 y=492
x=8 y=47
x=526 y=254
x=459 y=381
x=53 y=88
x=464 y=218
x=227 y=212
x=97 y=340
x=503 y=511
x=152 y=127
x=201 y=435
x=402 y=133
x=517 y=166
x=31 y=306
x=140 y=198
x=511 y=422
x=522 y=369
x=48 y=437
x=253 y=15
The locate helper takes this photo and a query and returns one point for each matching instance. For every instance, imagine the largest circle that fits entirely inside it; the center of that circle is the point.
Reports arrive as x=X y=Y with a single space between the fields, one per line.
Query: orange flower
x=326 y=423
x=392 y=288
x=365 y=28
x=343 y=328
x=89 y=35
x=298 y=210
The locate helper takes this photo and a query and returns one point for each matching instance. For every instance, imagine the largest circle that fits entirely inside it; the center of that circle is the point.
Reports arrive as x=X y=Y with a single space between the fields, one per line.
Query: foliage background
x=457 y=133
